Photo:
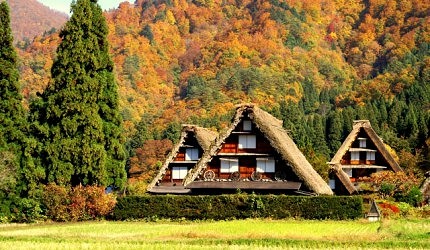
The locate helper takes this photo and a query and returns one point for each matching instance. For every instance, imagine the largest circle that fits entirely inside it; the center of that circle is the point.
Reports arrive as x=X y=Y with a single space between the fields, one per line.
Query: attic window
x=266 y=165
x=247 y=141
x=362 y=142
x=247 y=125
x=179 y=173
x=370 y=156
x=229 y=165
x=191 y=154
x=355 y=156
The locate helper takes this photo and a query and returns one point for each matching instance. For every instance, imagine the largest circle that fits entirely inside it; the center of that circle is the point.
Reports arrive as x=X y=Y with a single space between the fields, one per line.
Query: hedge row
x=223 y=207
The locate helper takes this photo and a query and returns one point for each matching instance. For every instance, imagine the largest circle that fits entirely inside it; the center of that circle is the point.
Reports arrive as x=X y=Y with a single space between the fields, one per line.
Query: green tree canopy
x=12 y=115
x=77 y=118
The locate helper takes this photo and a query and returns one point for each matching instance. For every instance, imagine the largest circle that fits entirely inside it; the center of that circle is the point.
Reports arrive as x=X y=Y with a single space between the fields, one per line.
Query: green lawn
x=240 y=234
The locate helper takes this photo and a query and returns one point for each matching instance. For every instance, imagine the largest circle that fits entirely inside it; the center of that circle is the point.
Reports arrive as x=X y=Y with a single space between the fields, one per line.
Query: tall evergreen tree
x=334 y=130
x=319 y=142
x=77 y=117
x=12 y=114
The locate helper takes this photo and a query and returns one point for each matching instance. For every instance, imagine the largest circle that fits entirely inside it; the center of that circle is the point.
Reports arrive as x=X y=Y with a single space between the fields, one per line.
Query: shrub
x=238 y=206
x=413 y=197
x=56 y=201
x=77 y=204
x=400 y=186
x=389 y=210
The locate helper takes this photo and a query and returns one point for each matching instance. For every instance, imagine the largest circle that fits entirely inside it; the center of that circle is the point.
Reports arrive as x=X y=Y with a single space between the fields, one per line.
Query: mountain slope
x=206 y=55
x=31 y=18
x=316 y=64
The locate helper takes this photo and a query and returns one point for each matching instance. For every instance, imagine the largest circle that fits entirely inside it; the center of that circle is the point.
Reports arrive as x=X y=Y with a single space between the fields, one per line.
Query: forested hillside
x=31 y=18
x=316 y=64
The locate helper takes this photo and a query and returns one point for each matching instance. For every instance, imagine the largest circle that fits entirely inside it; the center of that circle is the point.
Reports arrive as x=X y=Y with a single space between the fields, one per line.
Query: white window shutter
x=242 y=141
x=175 y=173
x=355 y=155
x=251 y=141
x=191 y=154
x=225 y=166
x=247 y=141
x=183 y=172
x=179 y=173
x=261 y=165
x=270 y=165
x=234 y=165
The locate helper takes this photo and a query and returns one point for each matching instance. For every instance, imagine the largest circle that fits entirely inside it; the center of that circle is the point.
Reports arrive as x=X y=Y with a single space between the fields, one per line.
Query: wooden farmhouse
x=193 y=142
x=361 y=154
x=255 y=154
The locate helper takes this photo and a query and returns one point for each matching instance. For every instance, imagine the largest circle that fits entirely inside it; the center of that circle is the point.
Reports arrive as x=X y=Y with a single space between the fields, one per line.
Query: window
x=348 y=171
x=332 y=184
x=355 y=156
x=266 y=165
x=370 y=156
x=179 y=173
x=362 y=142
x=229 y=165
x=247 y=141
x=247 y=125
x=192 y=154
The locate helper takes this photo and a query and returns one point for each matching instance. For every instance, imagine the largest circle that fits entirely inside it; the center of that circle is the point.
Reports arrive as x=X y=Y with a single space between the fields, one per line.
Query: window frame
x=247 y=142
x=233 y=165
x=356 y=154
x=266 y=165
x=247 y=125
x=190 y=152
x=362 y=143
x=180 y=172
x=371 y=156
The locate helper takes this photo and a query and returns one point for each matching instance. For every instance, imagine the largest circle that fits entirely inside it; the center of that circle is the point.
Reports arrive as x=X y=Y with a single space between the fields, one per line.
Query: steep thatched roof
x=203 y=136
x=344 y=178
x=272 y=129
x=356 y=128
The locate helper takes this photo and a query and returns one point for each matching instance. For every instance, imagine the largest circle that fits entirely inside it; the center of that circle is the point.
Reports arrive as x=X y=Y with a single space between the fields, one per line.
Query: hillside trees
x=191 y=61
x=76 y=120
x=12 y=116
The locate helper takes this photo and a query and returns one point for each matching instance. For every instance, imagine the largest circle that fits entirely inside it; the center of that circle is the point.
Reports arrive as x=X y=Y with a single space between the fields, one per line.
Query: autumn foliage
x=180 y=61
x=78 y=203
x=148 y=158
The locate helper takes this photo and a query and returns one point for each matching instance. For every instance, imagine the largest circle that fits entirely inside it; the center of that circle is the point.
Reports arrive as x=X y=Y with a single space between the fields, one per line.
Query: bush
x=239 y=206
x=413 y=197
x=401 y=186
x=77 y=204
x=56 y=201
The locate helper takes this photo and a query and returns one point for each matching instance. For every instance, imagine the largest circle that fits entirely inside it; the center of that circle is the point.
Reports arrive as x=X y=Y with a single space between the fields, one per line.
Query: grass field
x=239 y=234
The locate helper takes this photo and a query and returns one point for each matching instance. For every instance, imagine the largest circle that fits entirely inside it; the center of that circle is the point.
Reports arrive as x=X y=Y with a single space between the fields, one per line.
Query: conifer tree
x=334 y=130
x=12 y=113
x=319 y=142
x=77 y=117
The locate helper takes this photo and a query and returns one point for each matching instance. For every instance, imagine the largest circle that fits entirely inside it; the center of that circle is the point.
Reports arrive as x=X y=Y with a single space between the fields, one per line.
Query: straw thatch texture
x=204 y=138
x=279 y=140
x=344 y=178
x=346 y=145
x=382 y=149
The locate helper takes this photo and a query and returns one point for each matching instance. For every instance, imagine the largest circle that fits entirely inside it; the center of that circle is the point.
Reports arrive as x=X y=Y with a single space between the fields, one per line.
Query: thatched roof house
x=271 y=130
x=192 y=136
x=361 y=154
